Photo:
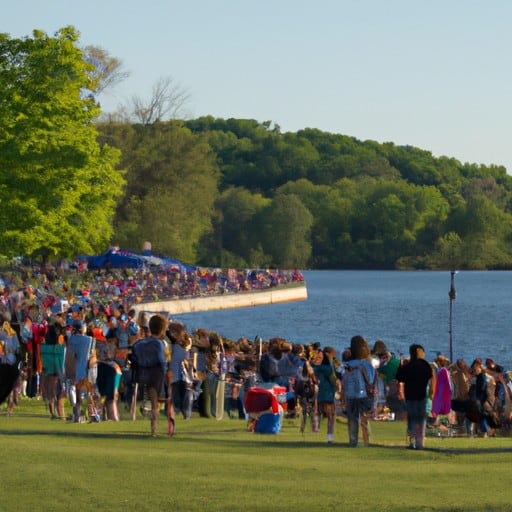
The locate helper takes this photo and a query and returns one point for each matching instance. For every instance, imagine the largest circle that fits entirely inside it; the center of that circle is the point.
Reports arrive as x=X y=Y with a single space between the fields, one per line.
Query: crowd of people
x=56 y=316
x=154 y=277
x=83 y=345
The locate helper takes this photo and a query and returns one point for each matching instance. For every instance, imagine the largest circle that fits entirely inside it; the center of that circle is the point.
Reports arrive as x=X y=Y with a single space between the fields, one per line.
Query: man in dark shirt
x=418 y=378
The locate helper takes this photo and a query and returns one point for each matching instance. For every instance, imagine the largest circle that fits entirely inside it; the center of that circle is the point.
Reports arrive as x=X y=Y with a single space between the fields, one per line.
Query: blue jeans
x=484 y=425
x=183 y=398
x=416 y=420
x=357 y=409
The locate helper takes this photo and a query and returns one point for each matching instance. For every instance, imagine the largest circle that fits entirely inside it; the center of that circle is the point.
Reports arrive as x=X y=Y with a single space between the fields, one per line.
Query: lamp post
x=452 y=294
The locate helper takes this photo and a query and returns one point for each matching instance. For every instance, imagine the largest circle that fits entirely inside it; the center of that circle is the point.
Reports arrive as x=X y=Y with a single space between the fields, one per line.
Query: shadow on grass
x=81 y=435
x=264 y=440
x=204 y=436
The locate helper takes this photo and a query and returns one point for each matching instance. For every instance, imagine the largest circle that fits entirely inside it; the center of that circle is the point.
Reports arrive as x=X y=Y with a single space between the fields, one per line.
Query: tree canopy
x=172 y=184
x=58 y=185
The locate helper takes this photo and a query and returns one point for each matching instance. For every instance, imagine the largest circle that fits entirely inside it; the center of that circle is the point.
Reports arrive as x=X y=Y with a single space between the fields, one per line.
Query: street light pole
x=452 y=294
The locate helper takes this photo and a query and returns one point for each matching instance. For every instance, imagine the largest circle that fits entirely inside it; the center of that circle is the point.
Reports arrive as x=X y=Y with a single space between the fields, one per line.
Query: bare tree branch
x=166 y=102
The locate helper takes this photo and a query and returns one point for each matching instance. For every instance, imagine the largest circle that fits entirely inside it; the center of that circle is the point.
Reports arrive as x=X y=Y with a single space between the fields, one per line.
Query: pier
x=225 y=301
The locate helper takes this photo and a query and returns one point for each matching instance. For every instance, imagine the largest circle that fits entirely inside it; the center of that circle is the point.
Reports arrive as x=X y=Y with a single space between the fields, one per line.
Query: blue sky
x=433 y=74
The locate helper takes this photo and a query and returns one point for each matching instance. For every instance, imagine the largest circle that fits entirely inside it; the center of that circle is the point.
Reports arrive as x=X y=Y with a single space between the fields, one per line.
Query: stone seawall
x=228 y=301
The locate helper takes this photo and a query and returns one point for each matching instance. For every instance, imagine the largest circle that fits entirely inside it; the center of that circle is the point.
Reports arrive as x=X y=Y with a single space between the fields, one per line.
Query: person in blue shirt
x=358 y=383
x=150 y=362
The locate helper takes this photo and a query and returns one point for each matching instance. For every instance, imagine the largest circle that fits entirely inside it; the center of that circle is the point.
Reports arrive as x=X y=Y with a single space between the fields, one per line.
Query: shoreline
x=227 y=301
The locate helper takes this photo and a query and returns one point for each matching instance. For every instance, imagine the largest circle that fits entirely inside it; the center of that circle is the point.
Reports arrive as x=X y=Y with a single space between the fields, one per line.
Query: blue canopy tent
x=119 y=258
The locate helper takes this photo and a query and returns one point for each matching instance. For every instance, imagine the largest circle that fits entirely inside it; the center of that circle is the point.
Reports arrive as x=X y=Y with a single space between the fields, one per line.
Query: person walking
x=419 y=383
x=326 y=376
x=150 y=363
x=358 y=390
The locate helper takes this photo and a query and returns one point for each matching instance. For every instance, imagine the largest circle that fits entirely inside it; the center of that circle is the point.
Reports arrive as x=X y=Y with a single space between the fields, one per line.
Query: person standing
x=212 y=363
x=200 y=344
x=306 y=391
x=78 y=351
x=461 y=377
x=9 y=357
x=53 y=353
x=502 y=392
x=327 y=386
x=150 y=363
x=358 y=382
x=108 y=382
x=9 y=345
x=182 y=375
x=419 y=383
x=386 y=373
x=483 y=393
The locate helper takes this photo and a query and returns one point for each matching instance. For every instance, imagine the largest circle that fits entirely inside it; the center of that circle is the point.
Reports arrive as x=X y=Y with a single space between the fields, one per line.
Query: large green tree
x=58 y=185
x=332 y=214
x=287 y=231
x=238 y=227
x=171 y=187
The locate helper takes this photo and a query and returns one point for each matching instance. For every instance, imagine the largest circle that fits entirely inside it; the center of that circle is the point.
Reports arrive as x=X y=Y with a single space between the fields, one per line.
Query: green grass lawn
x=209 y=465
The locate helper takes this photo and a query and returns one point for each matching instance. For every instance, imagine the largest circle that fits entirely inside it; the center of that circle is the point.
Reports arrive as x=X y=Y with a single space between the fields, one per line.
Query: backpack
x=356 y=383
x=268 y=368
x=353 y=383
x=305 y=385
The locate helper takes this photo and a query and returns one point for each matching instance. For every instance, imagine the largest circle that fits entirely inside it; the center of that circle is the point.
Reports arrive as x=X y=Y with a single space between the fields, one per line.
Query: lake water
x=398 y=307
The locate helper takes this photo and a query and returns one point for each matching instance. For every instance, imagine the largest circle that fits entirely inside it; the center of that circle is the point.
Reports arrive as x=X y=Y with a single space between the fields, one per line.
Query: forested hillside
x=221 y=192
x=240 y=193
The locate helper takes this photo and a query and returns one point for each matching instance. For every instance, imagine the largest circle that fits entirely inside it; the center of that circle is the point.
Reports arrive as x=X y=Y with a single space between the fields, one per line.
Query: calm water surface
x=398 y=307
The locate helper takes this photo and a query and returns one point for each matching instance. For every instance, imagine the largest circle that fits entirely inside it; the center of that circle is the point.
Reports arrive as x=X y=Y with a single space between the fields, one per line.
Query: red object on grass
x=260 y=399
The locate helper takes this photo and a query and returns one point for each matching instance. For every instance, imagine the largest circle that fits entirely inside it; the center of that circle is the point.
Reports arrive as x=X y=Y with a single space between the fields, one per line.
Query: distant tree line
x=239 y=192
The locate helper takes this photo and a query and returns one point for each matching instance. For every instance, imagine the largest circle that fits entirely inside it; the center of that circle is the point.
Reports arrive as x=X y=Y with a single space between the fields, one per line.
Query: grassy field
x=52 y=465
